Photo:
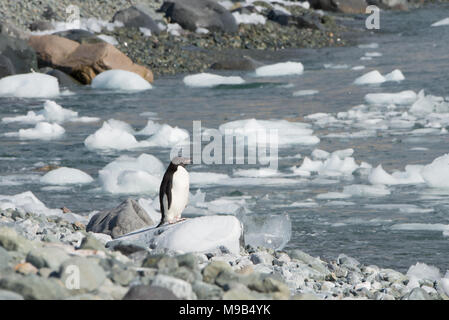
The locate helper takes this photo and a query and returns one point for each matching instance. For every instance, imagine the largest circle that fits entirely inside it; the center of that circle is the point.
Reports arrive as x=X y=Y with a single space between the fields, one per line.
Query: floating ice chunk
x=429 y=104
x=42 y=131
x=336 y=164
x=30 y=118
x=252 y=18
x=280 y=69
x=66 y=175
x=114 y=134
x=120 y=80
x=208 y=80
x=223 y=205
x=28 y=202
x=333 y=195
x=255 y=173
x=372 y=77
x=150 y=129
x=29 y=85
x=395 y=75
x=436 y=174
x=356 y=68
x=109 y=39
x=443 y=22
x=168 y=136
x=361 y=190
x=259 y=132
x=206 y=178
x=301 y=93
x=421 y=227
x=320 y=154
x=412 y=175
x=421 y=271
x=132 y=175
x=211 y=232
x=373 y=54
x=269 y=231
x=373 y=45
x=401 y=98
x=335 y=66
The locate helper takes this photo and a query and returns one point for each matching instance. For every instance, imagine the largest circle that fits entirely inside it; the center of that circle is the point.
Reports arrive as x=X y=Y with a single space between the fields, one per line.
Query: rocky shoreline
x=37 y=253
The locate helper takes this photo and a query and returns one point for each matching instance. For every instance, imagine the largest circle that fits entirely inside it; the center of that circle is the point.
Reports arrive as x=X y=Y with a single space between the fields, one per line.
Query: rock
x=188 y=260
x=145 y=292
x=89 y=242
x=91 y=275
x=193 y=14
x=6 y=67
x=127 y=217
x=20 y=54
x=307 y=259
x=239 y=292
x=83 y=61
x=136 y=17
x=235 y=62
x=417 y=294
x=299 y=22
x=47 y=257
x=211 y=232
x=261 y=257
x=162 y=262
x=344 y=6
x=9 y=295
x=213 y=269
x=9 y=29
x=66 y=81
x=25 y=268
x=4 y=259
x=126 y=247
x=32 y=287
x=207 y=291
x=348 y=262
x=182 y=289
x=11 y=241
x=40 y=25
x=79 y=35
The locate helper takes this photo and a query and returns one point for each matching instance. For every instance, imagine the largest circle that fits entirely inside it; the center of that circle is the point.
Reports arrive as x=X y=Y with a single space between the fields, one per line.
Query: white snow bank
x=120 y=80
x=64 y=175
x=375 y=77
x=42 y=131
x=132 y=175
x=29 y=85
x=208 y=80
x=259 y=132
x=401 y=98
x=52 y=112
x=252 y=18
x=280 y=69
x=202 y=234
x=28 y=202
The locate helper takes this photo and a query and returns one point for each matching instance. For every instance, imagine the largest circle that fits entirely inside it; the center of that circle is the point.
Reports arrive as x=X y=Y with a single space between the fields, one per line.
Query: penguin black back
x=165 y=190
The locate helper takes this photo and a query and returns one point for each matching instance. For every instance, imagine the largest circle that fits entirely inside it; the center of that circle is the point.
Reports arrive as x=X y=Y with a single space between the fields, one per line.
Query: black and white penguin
x=174 y=190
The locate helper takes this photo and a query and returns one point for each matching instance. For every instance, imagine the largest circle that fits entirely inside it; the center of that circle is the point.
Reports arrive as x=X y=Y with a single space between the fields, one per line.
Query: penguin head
x=180 y=161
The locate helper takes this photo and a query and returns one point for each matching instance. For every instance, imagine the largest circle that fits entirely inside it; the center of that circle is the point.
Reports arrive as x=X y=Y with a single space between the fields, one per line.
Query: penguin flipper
x=165 y=197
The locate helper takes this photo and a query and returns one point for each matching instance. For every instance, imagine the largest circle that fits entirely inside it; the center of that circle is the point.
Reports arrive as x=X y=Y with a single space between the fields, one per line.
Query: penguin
x=174 y=191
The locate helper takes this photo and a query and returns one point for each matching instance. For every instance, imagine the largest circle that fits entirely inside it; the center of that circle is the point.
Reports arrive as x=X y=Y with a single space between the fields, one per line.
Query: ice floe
x=300 y=93
x=443 y=22
x=401 y=98
x=64 y=175
x=280 y=69
x=375 y=77
x=26 y=201
x=167 y=136
x=29 y=85
x=120 y=80
x=208 y=80
x=42 y=131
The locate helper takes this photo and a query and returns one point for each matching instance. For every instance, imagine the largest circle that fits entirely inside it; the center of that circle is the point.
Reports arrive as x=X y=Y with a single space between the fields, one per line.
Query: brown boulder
x=83 y=61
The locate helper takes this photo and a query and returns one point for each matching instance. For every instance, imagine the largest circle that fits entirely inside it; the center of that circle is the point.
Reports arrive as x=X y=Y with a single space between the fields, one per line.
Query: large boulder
x=79 y=35
x=145 y=292
x=202 y=234
x=235 y=62
x=193 y=14
x=136 y=17
x=300 y=22
x=83 y=61
x=127 y=217
x=6 y=67
x=21 y=56
x=343 y=6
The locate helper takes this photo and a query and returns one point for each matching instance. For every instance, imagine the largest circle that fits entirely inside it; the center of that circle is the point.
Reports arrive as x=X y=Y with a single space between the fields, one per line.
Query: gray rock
x=122 y=277
x=207 y=291
x=182 y=289
x=234 y=62
x=6 y=67
x=64 y=79
x=300 y=22
x=12 y=241
x=137 y=17
x=344 y=6
x=417 y=294
x=41 y=25
x=261 y=257
x=89 y=242
x=188 y=260
x=91 y=275
x=307 y=259
x=213 y=269
x=145 y=292
x=186 y=274
x=4 y=258
x=9 y=295
x=20 y=54
x=33 y=287
x=160 y=261
x=193 y=14
x=127 y=217
x=79 y=35
x=347 y=261
x=47 y=257
x=126 y=247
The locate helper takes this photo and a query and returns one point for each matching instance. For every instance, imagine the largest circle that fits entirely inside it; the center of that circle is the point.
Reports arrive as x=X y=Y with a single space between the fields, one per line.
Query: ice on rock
x=120 y=80
x=252 y=18
x=269 y=231
x=208 y=80
x=167 y=136
x=280 y=69
x=421 y=271
x=64 y=175
x=28 y=202
x=210 y=233
x=132 y=175
x=42 y=131
x=401 y=98
x=29 y=85
x=287 y=132
x=436 y=174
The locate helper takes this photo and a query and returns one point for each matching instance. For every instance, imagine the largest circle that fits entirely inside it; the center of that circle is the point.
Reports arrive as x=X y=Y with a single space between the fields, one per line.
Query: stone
x=182 y=289
x=32 y=287
x=6 y=67
x=25 y=268
x=188 y=260
x=79 y=35
x=126 y=247
x=306 y=296
x=136 y=17
x=307 y=259
x=417 y=294
x=9 y=29
x=145 y=292
x=4 y=258
x=193 y=14
x=300 y=22
x=20 y=54
x=213 y=269
x=239 y=292
x=83 y=61
x=127 y=217
x=110 y=291
x=47 y=257
x=40 y=25
x=12 y=241
x=207 y=291
x=91 y=275
x=122 y=277
x=160 y=261
x=261 y=257
x=347 y=261
x=9 y=295
x=343 y=6
x=66 y=81
x=89 y=242
x=236 y=62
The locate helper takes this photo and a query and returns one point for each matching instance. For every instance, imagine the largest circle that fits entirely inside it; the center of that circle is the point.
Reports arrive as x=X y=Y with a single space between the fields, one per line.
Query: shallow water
x=358 y=226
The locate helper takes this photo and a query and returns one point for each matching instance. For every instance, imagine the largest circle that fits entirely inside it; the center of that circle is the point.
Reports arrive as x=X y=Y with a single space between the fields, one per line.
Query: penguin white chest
x=179 y=194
